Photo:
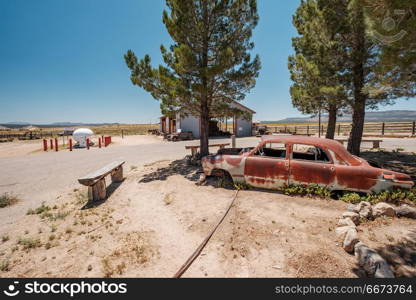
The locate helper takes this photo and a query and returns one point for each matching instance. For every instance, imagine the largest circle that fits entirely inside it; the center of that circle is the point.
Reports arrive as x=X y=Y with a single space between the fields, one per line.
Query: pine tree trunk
x=357 y=129
x=204 y=134
x=360 y=98
x=332 y=122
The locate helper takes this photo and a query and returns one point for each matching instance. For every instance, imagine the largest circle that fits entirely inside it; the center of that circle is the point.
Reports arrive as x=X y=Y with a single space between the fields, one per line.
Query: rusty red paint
x=343 y=171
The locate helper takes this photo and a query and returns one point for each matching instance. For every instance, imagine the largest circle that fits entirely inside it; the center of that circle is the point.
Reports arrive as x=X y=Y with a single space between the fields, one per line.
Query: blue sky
x=63 y=60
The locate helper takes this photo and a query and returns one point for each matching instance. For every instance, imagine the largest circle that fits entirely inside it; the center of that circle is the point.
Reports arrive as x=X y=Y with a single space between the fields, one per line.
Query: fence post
x=382 y=128
x=45 y=145
x=307 y=129
x=339 y=129
x=413 y=128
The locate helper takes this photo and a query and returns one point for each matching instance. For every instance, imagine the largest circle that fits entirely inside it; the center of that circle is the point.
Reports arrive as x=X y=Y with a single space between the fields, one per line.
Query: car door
x=311 y=165
x=267 y=166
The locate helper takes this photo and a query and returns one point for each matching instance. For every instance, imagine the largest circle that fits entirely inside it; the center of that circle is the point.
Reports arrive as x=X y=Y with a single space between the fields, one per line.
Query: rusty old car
x=299 y=160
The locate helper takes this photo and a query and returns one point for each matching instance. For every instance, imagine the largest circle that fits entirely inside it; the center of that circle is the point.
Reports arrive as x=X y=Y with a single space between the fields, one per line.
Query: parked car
x=180 y=136
x=278 y=161
x=259 y=130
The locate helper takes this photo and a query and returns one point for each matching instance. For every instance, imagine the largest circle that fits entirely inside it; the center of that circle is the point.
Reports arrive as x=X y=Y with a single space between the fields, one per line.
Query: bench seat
x=96 y=180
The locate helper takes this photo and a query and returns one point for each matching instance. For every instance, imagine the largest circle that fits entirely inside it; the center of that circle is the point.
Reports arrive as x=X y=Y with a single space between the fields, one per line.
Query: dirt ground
x=153 y=221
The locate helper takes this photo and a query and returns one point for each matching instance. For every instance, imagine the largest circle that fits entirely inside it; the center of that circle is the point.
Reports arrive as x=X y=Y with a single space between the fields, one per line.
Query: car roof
x=326 y=144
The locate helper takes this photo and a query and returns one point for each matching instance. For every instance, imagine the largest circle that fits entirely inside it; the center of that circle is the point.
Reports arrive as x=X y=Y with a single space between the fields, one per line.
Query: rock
x=372 y=263
x=352 y=208
x=351 y=238
x=383 y=209
x=406 y=211
x=345 y=222
x=342 y=231
x=353 y=216
x=365 y=210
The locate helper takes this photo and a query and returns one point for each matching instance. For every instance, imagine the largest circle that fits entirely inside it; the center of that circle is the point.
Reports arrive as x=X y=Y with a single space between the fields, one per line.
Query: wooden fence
x=370 y=128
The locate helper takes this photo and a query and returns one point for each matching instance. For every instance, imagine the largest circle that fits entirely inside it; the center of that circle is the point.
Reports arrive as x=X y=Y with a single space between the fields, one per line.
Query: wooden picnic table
x=194 y=149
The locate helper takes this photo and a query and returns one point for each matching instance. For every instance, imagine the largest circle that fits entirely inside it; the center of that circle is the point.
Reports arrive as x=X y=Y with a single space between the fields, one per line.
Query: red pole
x=45 y=145
x=88 y=144
x=56 y=144
x=70 y=144
x=99 y=142
x=51 y=144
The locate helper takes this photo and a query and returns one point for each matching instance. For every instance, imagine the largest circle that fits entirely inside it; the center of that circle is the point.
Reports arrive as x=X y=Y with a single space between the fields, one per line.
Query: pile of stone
x=368 y=259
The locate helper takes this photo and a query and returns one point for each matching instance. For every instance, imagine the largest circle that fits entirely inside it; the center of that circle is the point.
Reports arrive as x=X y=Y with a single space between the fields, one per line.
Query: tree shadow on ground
x=404 y=162
x=401 y=256
x=177 y=167
x=110 y=190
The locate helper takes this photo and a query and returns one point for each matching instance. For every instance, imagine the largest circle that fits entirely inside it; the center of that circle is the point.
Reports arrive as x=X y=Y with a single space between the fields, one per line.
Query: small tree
x=208 y=65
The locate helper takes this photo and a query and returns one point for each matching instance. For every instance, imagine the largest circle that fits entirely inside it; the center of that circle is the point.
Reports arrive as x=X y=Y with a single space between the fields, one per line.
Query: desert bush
x=5 y=238
x=4 y=265
x=40 y=210
x=8 y=199
x=29 y=243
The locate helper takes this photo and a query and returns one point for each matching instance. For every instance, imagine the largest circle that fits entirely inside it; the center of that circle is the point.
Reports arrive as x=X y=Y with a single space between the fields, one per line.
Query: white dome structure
x=81 y=135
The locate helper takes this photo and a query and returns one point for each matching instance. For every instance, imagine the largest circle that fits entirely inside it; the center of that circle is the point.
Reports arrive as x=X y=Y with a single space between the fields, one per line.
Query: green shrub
x=396 y=196
x=242 y=186
x=351 y=198
x=312 y=190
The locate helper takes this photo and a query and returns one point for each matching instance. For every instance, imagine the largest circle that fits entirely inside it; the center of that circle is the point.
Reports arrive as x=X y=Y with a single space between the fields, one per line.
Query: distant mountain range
x=371 y=116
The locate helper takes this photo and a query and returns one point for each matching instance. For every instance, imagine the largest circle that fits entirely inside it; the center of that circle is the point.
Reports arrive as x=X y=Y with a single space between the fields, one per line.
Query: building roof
x=243 y=107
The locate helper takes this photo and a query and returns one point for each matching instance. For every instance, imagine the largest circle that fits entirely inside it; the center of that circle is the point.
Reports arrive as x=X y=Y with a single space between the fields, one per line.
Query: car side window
x=310 y=153
x=275 y=150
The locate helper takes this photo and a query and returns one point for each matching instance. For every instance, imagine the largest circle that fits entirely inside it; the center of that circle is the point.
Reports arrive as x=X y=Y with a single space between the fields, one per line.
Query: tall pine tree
x=209 y=64
x=316 y=67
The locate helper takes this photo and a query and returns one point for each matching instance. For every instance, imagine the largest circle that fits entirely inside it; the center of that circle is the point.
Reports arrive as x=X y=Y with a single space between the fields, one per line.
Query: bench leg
x=117 y=175
x=97 y=191
x=376 y=145
x=193 y=151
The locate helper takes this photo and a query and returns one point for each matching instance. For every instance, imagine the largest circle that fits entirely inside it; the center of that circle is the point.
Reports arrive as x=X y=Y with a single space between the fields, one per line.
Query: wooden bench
x=376 y=143
x=96 y=180
x=194 y=149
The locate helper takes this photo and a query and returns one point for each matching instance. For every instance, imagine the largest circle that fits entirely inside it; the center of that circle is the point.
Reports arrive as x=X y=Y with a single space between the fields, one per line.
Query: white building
x=239 y=126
